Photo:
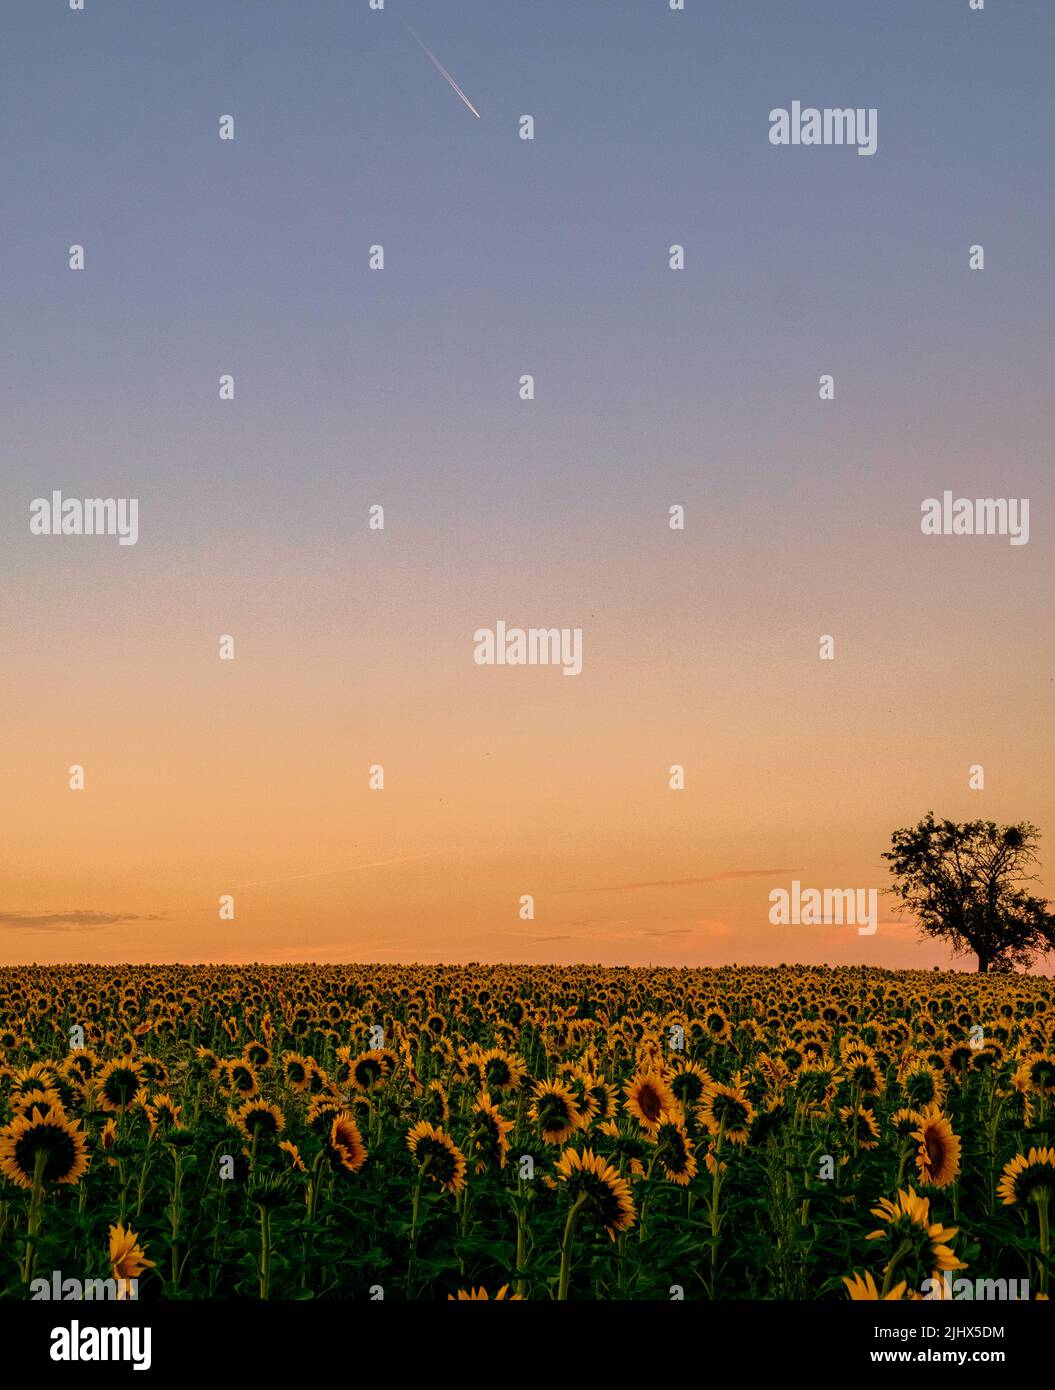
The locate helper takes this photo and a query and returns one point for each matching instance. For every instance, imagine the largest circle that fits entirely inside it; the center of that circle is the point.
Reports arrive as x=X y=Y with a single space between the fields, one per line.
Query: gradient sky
x=401 y=388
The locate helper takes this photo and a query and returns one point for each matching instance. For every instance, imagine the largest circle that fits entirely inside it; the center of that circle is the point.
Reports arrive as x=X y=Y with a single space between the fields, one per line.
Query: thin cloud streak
x=78 y=919
x=684 y=882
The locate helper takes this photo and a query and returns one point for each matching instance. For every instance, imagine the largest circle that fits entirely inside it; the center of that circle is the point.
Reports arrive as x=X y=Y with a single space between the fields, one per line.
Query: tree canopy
x=964 y=883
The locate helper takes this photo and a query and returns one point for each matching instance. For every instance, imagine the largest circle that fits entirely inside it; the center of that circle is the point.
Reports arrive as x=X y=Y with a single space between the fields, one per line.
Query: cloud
x=76 y=920
x=685 y=882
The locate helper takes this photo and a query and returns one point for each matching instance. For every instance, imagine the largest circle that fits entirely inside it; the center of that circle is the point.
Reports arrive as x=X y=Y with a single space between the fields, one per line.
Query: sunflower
x=622 y=1146
x=713 y=1164
x=593 y=1182
x=296 y=1162
x=579 y=1081
x=240 y=1077
x=50 y=1146
x=650 y=1100
x=863 y=1287
x=257 y=1118
x=436 y=1103
x=862 y=1071
x=205 y=1063
x=487 y=1141
x=475 y=1295
x=861 y=1123
x=127 y=1258
x=554 y=1111
x=153 y=1071
x=297 y=1071
x=438 y=1156
x=717 y=1025
x=674 y=1152
x=370 y=1070
x=43 y=1100
x=322 y=1112
x=605 y=1099
x=726 y=1110
x=1028 y=1178
x=922 y=1084
x=259 y=1054
x=503 y=1071
x=1036 y=1072
x=470 y=1068
x=957 y=1059
x=904 y=1122
x=816 y=1083
x=689 y=1083
x=163 y=1114
x=920 y=1248
x=938 y=1159
x=82 y=1064
x=108 y=1138
x=345 y=1145
x=118 y=1085
x=35 y=1077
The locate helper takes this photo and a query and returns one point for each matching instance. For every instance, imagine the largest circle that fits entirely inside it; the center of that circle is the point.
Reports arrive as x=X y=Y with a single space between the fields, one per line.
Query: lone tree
x=963 y=883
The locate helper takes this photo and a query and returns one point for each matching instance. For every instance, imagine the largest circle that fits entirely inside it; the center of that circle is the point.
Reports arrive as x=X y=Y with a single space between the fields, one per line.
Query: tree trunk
x=983 y=964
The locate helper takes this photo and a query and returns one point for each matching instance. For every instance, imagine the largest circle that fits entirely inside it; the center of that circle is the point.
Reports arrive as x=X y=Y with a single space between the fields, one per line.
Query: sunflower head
x=477 y=1295
x=163 y=1114
x=650 y=1100
x=918 y=1248
x=1028 y=1178
x=726 y=1111
x=938 y=1157
x=43 y=1100
x=127 y=1257
x=487 y=1141
x=861 y=1122
x=46 y=1148
x=674 y=1152
x=554 y=1111
x=257 y=1119
x=904 y=1121
x=863 y=1287
x=438 y=1156
x=345 y=1144
x=923 y=1085
x=592 y=1182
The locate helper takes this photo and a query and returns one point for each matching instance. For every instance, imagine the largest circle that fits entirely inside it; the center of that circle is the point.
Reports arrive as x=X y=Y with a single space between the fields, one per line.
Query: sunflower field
x=515 y=1132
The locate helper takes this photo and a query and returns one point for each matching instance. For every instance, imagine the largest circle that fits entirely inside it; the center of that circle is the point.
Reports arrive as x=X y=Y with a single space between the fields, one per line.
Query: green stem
x=174 y=1214
x=566 y=1247
x=1045 y=1237
x=265 y=1253
x=35 y=1202
x=892 y=1266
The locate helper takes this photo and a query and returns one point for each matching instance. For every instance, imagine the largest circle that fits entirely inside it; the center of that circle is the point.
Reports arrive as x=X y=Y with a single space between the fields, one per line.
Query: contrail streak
x=428 y=52
x=348 y=869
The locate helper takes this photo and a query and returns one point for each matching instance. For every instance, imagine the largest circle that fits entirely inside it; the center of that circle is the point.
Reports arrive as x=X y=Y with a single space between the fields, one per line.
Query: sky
x=400 y=387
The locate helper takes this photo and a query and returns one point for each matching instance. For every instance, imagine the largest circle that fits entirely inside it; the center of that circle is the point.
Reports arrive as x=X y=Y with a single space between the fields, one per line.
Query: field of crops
x=523 y=1132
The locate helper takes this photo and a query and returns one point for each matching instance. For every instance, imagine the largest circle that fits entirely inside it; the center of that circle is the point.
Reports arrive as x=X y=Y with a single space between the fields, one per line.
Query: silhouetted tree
x=963 y=883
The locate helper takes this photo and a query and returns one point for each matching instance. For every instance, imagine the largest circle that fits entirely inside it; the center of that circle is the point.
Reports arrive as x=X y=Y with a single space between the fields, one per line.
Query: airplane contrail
x=428 y=52
x=347 y=869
